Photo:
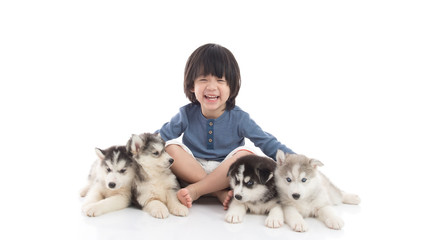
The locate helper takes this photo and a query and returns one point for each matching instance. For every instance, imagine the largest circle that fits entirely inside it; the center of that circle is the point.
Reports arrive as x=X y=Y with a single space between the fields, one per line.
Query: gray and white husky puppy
x=254 y=190
x=155 y=186
x=109 y=182
x=306 y=192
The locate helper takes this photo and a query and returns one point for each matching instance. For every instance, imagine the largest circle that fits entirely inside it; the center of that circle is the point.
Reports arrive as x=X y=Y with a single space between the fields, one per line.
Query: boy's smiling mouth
x=211 y=97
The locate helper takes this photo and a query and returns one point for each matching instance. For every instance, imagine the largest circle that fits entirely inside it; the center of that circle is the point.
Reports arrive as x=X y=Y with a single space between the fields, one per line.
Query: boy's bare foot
x=187 y=195
x=225 y=197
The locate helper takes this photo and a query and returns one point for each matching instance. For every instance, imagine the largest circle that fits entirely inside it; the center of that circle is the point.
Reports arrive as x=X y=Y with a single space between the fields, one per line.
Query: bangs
x=215 y=60
x=212 y=63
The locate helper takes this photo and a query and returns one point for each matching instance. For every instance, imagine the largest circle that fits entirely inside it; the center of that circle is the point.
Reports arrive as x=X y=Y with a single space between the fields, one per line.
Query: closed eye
x=123 y=170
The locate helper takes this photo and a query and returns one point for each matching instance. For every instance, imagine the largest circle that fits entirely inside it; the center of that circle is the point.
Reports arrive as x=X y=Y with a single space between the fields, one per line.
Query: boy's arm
x=174 y=128
x=264 y=140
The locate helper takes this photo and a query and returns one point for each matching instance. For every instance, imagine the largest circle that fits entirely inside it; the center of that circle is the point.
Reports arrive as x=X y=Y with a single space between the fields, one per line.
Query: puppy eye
x=123 y=170
x=304 y=180
x=289 y=179
x=250 y=183
x=108 y=169
x=156 y=153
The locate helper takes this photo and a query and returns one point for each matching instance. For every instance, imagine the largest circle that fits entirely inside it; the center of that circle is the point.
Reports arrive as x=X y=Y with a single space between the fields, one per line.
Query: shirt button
x=210 y=140
x=210 y=131
x=211 y=124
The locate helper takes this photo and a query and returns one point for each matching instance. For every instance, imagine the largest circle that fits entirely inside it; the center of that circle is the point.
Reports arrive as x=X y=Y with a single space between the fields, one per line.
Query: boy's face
x=212 y=93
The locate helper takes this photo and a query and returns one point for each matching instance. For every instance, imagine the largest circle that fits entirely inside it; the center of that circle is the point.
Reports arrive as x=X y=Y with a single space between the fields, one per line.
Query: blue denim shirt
x=214 y=139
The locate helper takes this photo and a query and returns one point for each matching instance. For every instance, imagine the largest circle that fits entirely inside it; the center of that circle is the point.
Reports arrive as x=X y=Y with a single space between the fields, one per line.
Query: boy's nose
x=212 y=84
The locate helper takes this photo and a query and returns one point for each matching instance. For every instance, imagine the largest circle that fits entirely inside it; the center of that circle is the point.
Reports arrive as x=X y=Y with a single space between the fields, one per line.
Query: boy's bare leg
x=186 y=168
x=212 y=183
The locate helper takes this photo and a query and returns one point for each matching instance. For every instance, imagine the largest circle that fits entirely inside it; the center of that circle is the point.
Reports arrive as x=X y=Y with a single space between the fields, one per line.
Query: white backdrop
x=340 y=81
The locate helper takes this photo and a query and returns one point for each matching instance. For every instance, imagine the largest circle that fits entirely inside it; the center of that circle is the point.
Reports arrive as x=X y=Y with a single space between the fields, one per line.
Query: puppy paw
x=233 y=218
x=334 y=223
x=299 y=226
x=92 y=210
x=159 y=212
x=273 y=222
x=179 y=210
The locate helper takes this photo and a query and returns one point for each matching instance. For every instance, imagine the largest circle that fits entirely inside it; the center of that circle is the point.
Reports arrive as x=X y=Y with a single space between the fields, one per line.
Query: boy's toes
x=184 y=197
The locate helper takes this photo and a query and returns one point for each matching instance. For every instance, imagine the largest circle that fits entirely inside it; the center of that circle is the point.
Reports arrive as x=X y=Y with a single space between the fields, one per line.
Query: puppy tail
x=349 y=198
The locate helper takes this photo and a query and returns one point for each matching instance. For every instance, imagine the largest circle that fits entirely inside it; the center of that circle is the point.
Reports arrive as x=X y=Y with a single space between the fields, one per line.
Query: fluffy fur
x=253 y=184
x=155 y=185
x=109 y=182
x=306 y=192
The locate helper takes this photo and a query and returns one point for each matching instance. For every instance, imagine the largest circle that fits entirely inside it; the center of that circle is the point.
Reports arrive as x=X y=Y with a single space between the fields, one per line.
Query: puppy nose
x=171 y=161
x=238 y=197
x=296 y=196
x=111 y=185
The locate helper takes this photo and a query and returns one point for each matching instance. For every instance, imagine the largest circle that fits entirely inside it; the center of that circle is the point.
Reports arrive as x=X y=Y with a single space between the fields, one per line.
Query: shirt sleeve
x=175 y=127
x=264 y=140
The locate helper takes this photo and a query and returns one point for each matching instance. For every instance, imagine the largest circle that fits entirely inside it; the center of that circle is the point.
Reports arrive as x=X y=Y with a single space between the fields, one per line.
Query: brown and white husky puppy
x=155 y=185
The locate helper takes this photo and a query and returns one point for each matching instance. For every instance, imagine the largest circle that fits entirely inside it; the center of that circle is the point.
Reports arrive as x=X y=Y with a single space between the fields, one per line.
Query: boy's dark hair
x=216 y=60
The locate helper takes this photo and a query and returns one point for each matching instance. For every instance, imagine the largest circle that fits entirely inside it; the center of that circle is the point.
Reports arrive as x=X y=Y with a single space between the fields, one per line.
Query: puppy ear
x=230 y=169
x=264 y=175
x=158 y=136
x=281 y=157
x=315 y=163
x=100 y=153
x=134 y=144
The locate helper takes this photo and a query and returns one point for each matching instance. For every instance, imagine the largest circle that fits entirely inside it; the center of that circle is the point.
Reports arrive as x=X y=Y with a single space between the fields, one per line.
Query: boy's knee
x=242 y=153
x=173 y=149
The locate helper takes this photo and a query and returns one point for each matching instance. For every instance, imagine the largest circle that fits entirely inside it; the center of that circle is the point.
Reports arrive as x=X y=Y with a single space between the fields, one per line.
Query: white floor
x=206 y=221
x=58 y=215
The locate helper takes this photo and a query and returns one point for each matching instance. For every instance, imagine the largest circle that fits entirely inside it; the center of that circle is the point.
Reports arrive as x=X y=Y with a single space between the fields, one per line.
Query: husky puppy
x=254 y=190
x=155 y=186
x=306 y=192
x=109 y=182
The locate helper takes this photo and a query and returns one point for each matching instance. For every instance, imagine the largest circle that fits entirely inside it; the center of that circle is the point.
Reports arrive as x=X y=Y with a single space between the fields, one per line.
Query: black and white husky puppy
x=254 y=190
x=109 y=182
x=306 y=192
x=155 y=185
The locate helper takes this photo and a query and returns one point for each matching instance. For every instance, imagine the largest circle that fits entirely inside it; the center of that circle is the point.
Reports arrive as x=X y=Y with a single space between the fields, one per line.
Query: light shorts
x=209 y=165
